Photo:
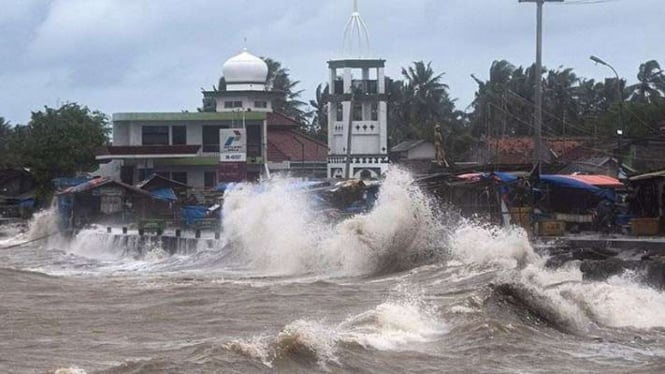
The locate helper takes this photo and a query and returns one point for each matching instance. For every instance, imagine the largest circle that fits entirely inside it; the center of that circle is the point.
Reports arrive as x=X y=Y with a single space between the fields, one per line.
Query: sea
x=408 y=287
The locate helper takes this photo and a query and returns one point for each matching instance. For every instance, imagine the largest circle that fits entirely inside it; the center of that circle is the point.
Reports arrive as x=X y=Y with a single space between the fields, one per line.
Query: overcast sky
x=156 y=55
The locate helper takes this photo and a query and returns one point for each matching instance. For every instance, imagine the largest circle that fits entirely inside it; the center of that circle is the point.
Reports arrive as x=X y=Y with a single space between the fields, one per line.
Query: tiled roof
x=285 y=145
x=519 y=150
x=279 y=119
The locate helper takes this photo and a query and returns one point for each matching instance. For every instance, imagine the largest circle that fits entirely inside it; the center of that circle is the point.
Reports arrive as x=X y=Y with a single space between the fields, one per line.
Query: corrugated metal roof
x=654 y=174
x=406 y=145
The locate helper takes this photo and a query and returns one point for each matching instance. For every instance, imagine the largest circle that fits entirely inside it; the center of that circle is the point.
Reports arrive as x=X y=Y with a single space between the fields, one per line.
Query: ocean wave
x=281 y=233
x=395 y=325
x=560 y=297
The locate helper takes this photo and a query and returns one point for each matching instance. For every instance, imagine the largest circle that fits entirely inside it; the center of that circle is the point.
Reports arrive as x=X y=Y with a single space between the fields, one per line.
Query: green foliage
x=319 y=123
x=279 y=79
x=5 y=134
x=572 y=106
x=420 y=102
x=651 y=84
x=59 y=142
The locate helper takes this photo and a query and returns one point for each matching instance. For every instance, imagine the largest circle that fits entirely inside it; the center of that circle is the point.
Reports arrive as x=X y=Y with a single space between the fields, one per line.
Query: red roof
x=149 y=150
x=279 y=119
x=519 y=150
x=285 y=145
x=597 y=180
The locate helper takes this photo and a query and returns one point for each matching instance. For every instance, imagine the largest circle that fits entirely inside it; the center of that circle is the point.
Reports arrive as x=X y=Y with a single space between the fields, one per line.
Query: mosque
x=191 y=148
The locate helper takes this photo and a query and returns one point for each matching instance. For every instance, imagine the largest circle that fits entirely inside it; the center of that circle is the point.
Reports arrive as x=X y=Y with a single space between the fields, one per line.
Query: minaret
x=357 y=114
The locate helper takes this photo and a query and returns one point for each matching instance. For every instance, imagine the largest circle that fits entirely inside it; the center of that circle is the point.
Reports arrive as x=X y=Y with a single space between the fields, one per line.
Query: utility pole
x=538 y=115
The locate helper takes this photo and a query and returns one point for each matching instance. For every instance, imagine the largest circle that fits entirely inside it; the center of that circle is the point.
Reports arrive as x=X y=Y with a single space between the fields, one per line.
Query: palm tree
x=560 y=105
x=425 y=98
x=319 y=122
x=651 y=85
x=279 y=80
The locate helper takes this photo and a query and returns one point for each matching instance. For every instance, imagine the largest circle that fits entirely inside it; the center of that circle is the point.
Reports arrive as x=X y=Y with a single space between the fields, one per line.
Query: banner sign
x=233 y=147
x=232 y=172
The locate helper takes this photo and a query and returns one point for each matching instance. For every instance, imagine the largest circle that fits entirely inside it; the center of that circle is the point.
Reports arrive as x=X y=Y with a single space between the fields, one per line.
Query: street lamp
x=620 y=98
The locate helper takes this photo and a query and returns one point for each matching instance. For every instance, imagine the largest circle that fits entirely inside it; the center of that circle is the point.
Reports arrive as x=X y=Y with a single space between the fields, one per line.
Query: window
x=340 y=112
x=179 y=176
x=357 y=111
x=210 y=138
x=210 y=179
x=339 y=86
x=232 y=104
x=260 y=104
x=155 y=135
x=178 y=135
x=374 y=111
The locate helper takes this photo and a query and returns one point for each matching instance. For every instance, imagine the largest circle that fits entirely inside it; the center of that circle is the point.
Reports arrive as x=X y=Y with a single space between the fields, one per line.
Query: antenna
x=356 y=36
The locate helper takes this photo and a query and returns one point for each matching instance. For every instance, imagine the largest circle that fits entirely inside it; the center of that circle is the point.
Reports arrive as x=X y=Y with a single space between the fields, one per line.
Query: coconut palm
x=560 y=104
x=425 y=99
x=279 y=80
x=651 y=83
x=319 y=124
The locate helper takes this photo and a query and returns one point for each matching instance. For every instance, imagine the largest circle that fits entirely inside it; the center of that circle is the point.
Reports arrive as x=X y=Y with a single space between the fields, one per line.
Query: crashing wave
x=394 y=325
x=281 y=232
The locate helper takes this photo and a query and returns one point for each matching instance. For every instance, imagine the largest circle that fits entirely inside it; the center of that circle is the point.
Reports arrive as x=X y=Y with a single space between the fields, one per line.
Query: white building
x=185 y=146
x=358 y=109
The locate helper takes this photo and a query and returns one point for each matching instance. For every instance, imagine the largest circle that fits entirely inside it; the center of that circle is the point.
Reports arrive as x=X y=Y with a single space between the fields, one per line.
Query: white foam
x=490 y=245
x=621 y=301
x=280 y=232
x=394 y=325
x=43 y=223
x=70 y=370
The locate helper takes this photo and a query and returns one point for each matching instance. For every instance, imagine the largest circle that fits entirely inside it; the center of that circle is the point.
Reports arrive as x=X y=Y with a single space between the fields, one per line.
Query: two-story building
x=185 y=146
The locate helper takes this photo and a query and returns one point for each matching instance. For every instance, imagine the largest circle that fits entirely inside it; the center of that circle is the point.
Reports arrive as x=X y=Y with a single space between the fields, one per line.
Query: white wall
x=247 y=103
x=121 y=133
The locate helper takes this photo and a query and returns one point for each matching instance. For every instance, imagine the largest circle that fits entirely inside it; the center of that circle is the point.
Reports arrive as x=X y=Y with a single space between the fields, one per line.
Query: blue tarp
x=164 y=194
x=504 y=177
x=563 y=181
x=194 y=213
x=62 y=183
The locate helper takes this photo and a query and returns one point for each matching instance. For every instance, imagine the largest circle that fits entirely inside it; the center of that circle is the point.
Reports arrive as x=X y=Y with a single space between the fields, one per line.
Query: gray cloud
x=150 y=55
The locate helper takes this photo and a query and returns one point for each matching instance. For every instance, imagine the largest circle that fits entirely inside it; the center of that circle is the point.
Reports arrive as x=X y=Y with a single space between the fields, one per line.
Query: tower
x=358 y=109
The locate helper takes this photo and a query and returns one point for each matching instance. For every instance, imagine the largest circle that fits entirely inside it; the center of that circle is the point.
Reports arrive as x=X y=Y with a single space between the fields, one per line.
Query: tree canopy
x=59 y=142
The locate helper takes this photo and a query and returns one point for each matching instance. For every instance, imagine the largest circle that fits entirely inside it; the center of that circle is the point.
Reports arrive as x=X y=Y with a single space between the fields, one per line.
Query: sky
x=157 y=55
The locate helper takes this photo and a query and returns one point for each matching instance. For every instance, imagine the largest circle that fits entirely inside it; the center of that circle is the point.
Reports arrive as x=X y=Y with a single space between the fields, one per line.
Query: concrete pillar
x=381 y=83
x=383 y=127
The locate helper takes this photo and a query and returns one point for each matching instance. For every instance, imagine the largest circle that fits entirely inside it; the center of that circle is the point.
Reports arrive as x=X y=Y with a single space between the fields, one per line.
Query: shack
x=646 y=202
x=102 y=200
x=168 y=196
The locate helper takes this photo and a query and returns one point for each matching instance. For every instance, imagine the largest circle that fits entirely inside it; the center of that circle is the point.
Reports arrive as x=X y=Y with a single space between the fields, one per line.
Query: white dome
x=245 y=68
